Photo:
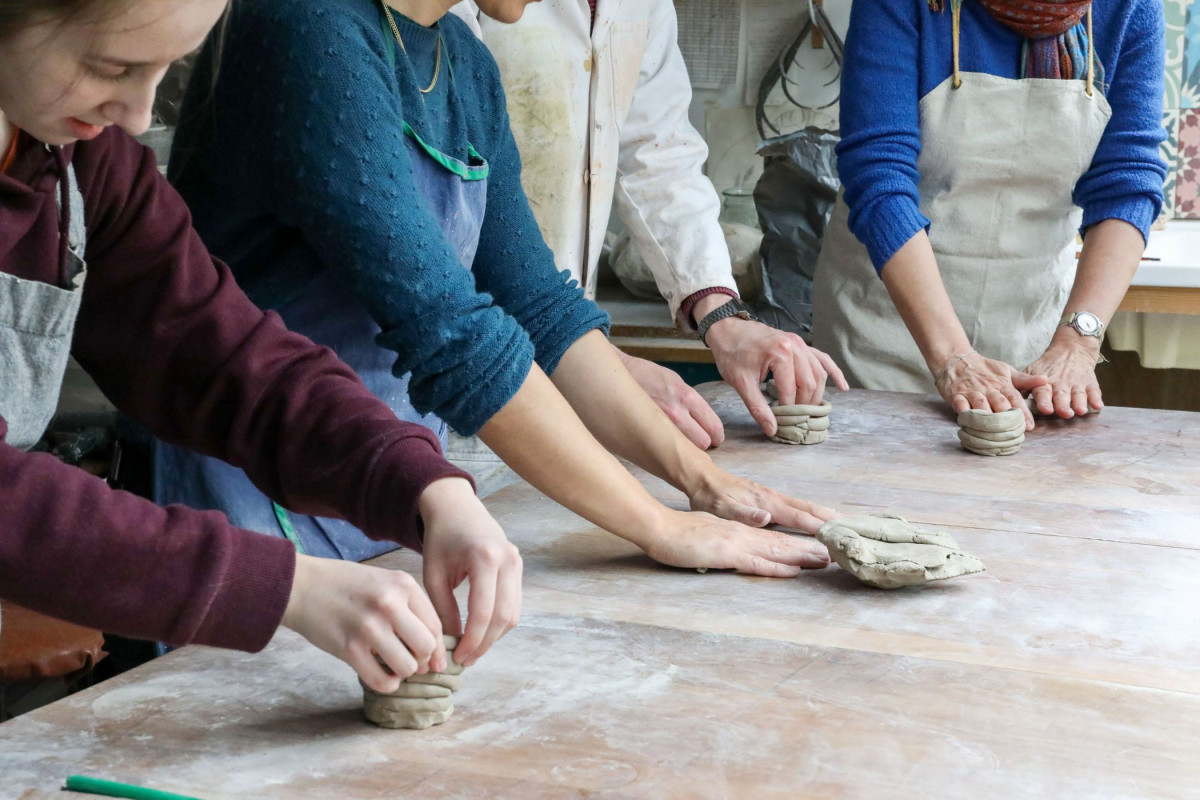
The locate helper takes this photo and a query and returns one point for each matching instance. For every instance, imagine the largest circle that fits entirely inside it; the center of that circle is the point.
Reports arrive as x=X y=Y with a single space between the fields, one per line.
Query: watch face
x=1088 y=324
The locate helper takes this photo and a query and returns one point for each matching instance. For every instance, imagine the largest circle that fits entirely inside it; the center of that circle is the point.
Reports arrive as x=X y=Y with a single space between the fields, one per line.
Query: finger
x=704 y=416
x=372 y=673
x=441 y=594
x=998 y=401
x=809 y=382
x=481 y=603
x=1015 y=400
x=690 y=428
x=395 y=653
x=1079 y=401
x=758 y=407
x=784 y=371
x=753 y=516
x=508 y=609
x=832 y=369
x=959 y=403
x=803 y=516
x=420 y=630
x=779 y=555
x=978 y=400
x=1062 y=403
x=1044 y=397
x=1095 y=397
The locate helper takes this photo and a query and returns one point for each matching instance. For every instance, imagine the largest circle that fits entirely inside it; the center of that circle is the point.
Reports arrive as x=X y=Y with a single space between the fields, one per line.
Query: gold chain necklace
x=437 y=65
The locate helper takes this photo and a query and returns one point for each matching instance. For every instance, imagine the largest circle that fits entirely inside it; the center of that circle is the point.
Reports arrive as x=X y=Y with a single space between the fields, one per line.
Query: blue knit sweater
x=296 y=163
x=897 y=51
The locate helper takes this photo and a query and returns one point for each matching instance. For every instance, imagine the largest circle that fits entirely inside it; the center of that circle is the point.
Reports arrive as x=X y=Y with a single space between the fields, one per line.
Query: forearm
x=75 y=549
x=623 y=417
x=1112 y=251
x=539 y=435
x=915 y=286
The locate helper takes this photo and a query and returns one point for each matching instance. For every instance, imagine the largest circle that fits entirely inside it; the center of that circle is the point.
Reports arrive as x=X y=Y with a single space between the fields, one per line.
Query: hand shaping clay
x=889 y=552
x=1029 y=401
x=988 y=433
x=421 y=701
x=799 y=423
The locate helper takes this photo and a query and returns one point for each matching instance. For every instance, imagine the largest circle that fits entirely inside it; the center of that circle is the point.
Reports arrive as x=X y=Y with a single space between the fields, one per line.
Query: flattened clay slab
x=889 y=552
x=422 y=701
x=992 y=422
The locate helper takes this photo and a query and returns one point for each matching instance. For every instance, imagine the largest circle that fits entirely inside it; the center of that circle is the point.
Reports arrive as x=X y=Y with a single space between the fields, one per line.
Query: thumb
x=1025 y=383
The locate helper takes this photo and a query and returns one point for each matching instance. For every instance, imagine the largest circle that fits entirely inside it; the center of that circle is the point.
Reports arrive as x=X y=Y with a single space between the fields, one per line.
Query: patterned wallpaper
x=1181 y=109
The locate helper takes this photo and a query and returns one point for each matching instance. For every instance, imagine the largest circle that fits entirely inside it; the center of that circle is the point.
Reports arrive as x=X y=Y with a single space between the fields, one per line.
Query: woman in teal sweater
x=354 y=165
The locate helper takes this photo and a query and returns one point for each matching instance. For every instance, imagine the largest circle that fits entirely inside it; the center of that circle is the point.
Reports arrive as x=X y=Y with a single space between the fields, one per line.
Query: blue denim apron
x=329 y=314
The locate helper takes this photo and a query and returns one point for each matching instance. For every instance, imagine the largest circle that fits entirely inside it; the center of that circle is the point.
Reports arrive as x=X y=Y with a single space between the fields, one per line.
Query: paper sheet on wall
x=709 y=31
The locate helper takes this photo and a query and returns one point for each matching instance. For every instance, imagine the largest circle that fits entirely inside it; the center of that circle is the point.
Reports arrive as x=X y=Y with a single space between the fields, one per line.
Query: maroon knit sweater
x=173 y=342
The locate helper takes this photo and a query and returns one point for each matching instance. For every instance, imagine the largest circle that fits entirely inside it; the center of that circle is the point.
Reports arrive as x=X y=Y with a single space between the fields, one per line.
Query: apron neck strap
x=956 y=29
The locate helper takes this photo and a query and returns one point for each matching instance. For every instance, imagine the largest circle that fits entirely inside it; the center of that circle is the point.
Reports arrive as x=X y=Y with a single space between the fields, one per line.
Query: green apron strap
x=468 y=172
x=289 y=530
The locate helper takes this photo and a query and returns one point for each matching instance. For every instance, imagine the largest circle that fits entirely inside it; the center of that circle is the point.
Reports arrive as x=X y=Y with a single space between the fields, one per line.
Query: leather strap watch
x=734 y=308
x=1085 y=323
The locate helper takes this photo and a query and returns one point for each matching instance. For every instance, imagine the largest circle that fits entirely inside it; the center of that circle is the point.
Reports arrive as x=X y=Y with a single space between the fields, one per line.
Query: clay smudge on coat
x=540 y=82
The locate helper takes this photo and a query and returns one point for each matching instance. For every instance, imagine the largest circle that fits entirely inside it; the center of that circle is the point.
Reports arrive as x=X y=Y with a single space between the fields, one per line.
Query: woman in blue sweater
x=354 y=165
x=976 y=140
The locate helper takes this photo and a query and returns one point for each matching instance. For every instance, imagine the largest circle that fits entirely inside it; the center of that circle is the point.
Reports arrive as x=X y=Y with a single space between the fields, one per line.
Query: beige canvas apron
x=999 y=161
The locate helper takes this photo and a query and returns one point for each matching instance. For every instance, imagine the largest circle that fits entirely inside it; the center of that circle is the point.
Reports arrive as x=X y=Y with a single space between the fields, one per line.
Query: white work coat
x=600 y=114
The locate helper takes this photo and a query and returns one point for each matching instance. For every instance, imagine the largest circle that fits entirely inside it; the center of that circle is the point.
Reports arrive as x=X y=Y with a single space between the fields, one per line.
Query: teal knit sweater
x=294 y=162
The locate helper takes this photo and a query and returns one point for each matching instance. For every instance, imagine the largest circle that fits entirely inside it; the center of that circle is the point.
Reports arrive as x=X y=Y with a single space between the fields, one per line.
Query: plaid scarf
x=1056 y=42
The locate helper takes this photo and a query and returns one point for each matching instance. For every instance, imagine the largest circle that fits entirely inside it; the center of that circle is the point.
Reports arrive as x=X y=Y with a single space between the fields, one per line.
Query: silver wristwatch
x=1085 y=323
x=734 y=308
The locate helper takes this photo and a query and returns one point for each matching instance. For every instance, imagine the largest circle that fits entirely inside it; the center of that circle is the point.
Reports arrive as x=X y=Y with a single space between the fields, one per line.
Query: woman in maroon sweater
x=98 y=259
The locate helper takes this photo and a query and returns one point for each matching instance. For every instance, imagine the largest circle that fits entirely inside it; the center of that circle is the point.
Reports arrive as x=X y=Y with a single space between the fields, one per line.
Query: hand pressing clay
x=988 y=433
x=1029 y=401
x=421 y=701
x=798 y=424
x=889 y=552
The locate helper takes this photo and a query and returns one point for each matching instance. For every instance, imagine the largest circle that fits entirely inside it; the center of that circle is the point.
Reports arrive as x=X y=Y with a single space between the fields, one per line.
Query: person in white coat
x=598 y=96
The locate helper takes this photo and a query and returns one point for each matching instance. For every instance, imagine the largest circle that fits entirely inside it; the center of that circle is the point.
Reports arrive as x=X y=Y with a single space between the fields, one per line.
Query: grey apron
x=1003 y=228
x=37 y=321
x=329 y=314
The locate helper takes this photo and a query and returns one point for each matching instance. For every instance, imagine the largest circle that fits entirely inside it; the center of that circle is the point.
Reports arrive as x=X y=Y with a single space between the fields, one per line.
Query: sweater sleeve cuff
x=1139 y=211
x=888 y=227
x=400 y=476
x=247 y=610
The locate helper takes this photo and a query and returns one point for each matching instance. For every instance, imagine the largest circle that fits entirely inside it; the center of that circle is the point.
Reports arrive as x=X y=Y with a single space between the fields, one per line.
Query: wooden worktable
x=1070 y=668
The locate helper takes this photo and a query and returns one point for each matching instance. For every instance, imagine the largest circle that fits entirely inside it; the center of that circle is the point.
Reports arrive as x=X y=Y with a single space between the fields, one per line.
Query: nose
x=133 y=107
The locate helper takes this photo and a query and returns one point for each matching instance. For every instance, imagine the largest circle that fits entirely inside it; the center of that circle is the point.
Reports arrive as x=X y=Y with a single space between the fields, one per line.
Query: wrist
x=1067 y=338
x=301 y=578
x=708 y=304
x=442 y=494
x=939 y=354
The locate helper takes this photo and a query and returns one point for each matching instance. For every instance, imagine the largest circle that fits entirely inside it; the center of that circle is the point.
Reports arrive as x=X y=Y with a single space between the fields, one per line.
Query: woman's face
x=61 y=81
x=504 y=10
